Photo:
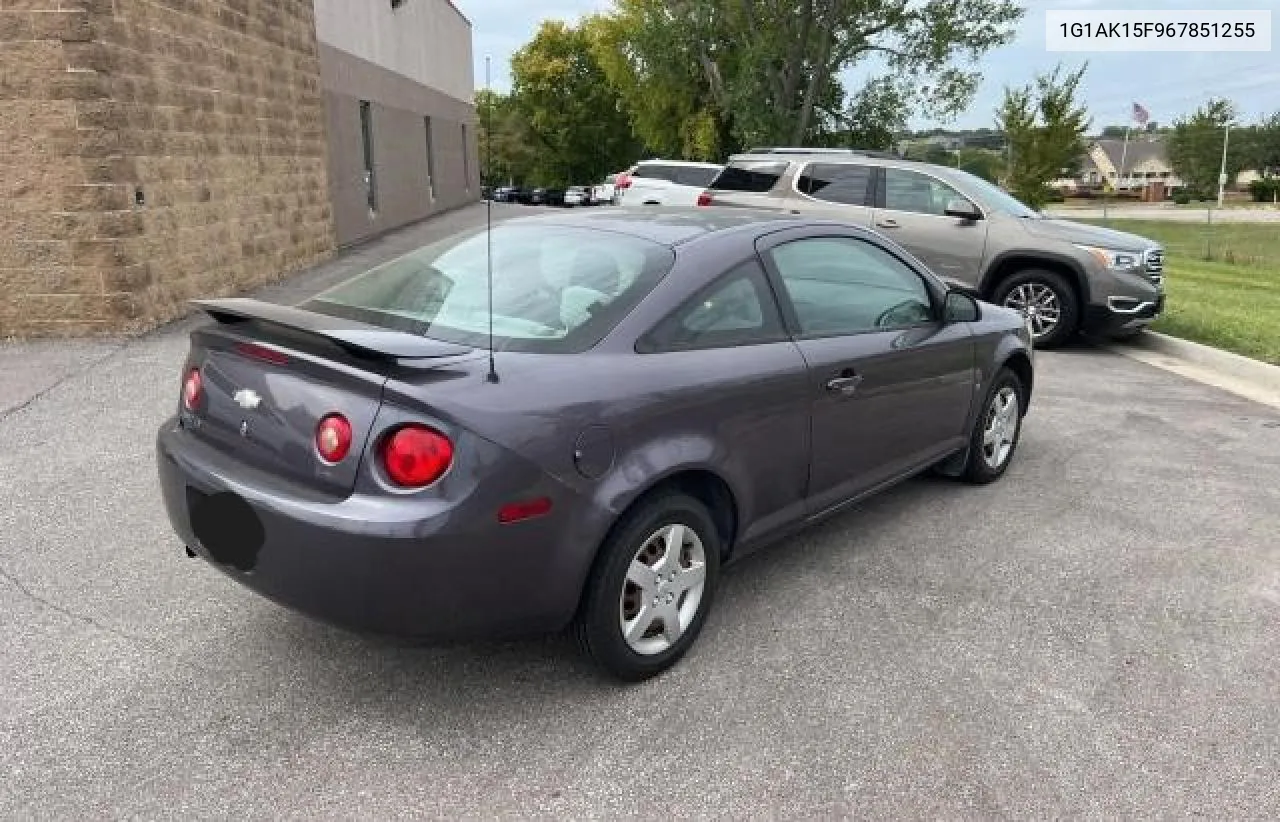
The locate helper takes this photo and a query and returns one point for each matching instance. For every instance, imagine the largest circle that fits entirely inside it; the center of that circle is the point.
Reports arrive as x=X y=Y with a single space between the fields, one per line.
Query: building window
x=395 y=4
x=466 y=159
x=431 y=173
x=366 y=138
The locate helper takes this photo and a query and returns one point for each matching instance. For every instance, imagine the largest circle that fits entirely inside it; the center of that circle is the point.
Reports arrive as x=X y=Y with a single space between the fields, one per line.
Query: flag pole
x=1124 y=154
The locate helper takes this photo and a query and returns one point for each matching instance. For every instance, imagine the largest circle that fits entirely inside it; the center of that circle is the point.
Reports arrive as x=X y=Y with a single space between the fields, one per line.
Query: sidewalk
x=29 y=369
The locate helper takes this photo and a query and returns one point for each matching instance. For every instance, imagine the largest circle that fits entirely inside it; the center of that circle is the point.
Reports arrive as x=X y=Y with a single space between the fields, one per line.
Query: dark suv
x=1062 y=275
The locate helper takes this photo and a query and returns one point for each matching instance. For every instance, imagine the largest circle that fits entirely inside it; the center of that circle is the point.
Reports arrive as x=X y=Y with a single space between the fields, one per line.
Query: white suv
x=665 y=182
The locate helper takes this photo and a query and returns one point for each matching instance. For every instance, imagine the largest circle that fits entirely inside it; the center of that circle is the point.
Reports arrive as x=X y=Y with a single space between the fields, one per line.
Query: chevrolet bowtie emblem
x=247 y=398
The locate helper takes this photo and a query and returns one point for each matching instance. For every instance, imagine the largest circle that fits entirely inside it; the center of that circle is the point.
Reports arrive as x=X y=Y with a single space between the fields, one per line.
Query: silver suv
x=1062 y=275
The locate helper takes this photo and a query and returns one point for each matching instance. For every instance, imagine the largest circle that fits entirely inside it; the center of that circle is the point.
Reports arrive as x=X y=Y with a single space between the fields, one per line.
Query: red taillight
x=333 y=438
x=416 y=456
x=261 y=352
x=704 y=199
x=192 y=390
x=623 y=181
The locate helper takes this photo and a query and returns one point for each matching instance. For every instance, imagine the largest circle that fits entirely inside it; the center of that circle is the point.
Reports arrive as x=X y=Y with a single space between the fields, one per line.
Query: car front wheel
x=996 y=430
x=651 y=588
x=1048 y=302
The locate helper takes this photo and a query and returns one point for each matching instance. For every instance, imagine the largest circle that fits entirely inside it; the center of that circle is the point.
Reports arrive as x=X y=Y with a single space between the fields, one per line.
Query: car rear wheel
x=1048 y=302
x=996 y=430
x=651 y=589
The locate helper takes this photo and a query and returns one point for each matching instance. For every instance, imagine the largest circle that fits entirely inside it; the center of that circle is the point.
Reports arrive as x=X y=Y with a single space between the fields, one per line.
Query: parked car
x=666 y=182
x=603 y=194
x=546 y=196
x=576 y=196
x=1064 y=276
x=645 y=400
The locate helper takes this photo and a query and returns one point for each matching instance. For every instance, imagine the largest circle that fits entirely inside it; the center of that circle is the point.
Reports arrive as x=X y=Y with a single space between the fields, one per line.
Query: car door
x=839 y=191
x=910 y=210
x=891 y=384
x=724 y=362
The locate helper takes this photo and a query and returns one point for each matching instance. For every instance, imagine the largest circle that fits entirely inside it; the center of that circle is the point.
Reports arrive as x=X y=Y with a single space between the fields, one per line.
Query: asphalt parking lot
x=1098 y=634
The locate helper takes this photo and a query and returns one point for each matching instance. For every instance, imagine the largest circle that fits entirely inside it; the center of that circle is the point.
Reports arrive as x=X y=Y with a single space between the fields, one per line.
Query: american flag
x=1140 y=115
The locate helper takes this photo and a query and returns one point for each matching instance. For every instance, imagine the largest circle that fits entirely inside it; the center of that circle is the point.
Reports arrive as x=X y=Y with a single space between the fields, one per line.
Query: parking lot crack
x=67 y=612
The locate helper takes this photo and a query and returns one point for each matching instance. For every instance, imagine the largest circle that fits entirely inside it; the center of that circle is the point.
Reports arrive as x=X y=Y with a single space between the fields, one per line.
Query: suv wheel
x=1047 y=300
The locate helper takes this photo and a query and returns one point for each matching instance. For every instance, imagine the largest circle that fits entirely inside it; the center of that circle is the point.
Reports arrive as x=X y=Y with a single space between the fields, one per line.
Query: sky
x=1167 y=84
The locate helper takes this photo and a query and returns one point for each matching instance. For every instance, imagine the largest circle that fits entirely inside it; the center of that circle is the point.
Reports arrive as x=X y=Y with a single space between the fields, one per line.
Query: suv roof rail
x=860 y=152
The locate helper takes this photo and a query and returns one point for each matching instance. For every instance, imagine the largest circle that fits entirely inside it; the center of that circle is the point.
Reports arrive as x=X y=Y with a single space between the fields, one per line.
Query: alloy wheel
x=1039 y=304
x=663 y=589
x=1000 y=431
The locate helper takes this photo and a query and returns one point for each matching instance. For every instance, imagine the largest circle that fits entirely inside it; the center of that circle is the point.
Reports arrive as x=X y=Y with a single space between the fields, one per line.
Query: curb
x=1246 y=377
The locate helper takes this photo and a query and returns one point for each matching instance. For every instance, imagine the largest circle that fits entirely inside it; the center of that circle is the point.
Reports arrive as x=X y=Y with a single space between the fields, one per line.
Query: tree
x=706 y=77
x=1262 y=151
x=507 y=154
x=1195 y=147
x=572 y=115
x=989 y=165
x=1045 y=128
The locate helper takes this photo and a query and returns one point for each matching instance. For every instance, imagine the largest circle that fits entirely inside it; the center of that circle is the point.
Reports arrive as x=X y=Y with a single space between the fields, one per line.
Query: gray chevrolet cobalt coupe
x=665 y=391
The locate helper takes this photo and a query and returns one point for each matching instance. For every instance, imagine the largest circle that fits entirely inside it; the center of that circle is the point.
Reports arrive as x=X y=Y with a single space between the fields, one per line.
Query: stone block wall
x=152 y=151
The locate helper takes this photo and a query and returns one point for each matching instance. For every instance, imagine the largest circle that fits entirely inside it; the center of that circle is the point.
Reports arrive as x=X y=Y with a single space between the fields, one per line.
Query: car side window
x=844 y=183
x=842 y=285
x=737 y=309
x=911 y=191
x=695 y=176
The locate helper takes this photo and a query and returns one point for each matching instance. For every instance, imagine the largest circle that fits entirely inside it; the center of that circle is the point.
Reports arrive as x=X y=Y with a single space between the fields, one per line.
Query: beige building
x=1133 y=166
x=156 y=151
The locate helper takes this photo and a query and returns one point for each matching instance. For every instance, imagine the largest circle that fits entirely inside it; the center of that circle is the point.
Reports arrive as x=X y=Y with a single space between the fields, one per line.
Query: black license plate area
x=227 y=527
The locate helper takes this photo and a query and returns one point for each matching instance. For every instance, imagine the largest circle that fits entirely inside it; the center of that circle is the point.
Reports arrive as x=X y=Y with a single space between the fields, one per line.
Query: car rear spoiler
x=357 y=338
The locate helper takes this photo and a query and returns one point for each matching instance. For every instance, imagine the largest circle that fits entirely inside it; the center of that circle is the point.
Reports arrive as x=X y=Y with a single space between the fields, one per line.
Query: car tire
x=613 y=600
x=992 y=443
x=1027 y=285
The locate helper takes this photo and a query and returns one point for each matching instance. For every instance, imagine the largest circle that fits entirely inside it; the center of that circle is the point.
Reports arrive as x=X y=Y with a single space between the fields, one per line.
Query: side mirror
x=960 y=308
x=962 y=208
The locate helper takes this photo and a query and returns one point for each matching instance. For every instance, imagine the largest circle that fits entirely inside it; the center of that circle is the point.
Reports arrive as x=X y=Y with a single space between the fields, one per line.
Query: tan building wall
x=153 y=152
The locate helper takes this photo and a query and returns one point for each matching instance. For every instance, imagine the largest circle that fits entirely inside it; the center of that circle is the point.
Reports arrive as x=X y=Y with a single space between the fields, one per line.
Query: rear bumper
x=401 y=566
x=1122 y=314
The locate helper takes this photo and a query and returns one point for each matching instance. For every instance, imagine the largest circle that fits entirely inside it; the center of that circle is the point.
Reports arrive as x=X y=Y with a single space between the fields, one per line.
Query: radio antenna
x=488 y=211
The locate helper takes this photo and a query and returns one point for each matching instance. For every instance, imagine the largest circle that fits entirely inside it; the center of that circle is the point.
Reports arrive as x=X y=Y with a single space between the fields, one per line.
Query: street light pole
x=1222 y=174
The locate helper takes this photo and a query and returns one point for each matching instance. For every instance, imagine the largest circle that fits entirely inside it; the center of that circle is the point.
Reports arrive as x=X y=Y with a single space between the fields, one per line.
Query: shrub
x=1182 y=198
x=1266 y=190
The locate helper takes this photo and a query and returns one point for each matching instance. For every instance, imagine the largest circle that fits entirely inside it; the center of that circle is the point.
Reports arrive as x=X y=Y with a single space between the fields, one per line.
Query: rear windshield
x=750 y=175
x=555 y=288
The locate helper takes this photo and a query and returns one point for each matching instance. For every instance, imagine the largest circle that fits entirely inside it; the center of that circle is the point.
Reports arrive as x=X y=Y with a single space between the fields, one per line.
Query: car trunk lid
x=271 y=373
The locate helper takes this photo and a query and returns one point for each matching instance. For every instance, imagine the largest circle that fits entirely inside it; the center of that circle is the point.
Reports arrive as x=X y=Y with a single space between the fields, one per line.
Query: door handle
x=887 y=223
x=846 y=383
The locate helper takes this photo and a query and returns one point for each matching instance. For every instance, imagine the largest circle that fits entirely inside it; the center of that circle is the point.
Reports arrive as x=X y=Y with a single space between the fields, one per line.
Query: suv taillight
x=416 y=456
x=192 y=390
x=704 y=199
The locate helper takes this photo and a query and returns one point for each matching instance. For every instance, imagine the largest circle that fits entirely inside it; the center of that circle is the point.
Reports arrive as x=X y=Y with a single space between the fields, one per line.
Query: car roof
x=669 y=226
x=850 y=156
x=680 y=163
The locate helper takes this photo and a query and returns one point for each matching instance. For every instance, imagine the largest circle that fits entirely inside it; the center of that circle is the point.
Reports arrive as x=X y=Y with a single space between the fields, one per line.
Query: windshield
x=555 y=288
x=996 y=198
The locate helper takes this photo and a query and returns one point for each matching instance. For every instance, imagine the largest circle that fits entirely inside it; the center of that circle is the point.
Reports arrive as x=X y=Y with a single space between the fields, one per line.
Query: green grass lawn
x=1223 y=283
